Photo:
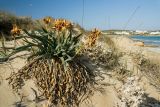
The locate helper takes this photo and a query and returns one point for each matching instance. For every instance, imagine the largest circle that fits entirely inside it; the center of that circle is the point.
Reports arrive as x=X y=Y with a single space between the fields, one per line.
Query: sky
x=102 y=14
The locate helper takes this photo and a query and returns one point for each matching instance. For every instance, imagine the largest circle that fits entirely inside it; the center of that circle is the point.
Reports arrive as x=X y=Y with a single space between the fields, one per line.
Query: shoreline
x=158 y=35
x=146 y=45
x=149 y=46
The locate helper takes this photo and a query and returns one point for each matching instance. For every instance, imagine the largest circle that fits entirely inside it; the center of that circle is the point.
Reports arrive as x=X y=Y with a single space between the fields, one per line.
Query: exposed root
x=59 y=87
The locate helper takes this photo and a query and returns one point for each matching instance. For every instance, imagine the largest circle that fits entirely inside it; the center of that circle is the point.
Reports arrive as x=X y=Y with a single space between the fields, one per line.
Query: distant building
x=140 y=32
x=122 y=33
x=155 y=32
x=131 y=32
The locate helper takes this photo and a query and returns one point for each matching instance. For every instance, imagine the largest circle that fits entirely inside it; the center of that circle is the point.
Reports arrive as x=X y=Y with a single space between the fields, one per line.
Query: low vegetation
x=151 y=71
x=7 y=20
x=55 y=63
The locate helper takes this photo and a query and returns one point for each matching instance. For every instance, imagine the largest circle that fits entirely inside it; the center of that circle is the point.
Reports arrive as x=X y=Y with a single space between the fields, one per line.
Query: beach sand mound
x=127 y=86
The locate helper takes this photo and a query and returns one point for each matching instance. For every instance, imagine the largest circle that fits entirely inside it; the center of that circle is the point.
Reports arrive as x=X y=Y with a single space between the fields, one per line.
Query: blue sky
x=103 y=14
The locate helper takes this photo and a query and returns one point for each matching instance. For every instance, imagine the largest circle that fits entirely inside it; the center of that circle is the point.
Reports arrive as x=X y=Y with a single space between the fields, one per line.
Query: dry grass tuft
x=151 y=71
x=107 y=59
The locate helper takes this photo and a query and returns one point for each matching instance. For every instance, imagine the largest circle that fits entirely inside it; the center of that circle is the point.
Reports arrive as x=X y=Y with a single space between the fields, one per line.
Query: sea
x=153 y=42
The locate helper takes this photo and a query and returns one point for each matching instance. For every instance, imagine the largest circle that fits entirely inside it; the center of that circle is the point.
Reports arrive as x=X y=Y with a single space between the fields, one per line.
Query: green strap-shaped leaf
x=20 y=49
x=45 y=30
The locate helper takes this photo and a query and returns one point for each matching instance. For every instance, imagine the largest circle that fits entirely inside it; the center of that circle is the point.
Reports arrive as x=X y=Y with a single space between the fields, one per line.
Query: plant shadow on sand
x=19 y=104
x=149 y=102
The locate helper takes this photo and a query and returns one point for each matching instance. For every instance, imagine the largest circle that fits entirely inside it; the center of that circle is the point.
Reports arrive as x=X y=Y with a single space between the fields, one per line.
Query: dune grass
x=151 y=71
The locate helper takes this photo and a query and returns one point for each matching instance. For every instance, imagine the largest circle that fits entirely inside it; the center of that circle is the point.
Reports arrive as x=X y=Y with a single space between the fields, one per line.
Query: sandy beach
x=133 y=90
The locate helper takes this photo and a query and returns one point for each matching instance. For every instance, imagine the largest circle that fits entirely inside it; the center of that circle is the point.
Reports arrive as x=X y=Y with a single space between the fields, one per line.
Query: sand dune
x=129 y=92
